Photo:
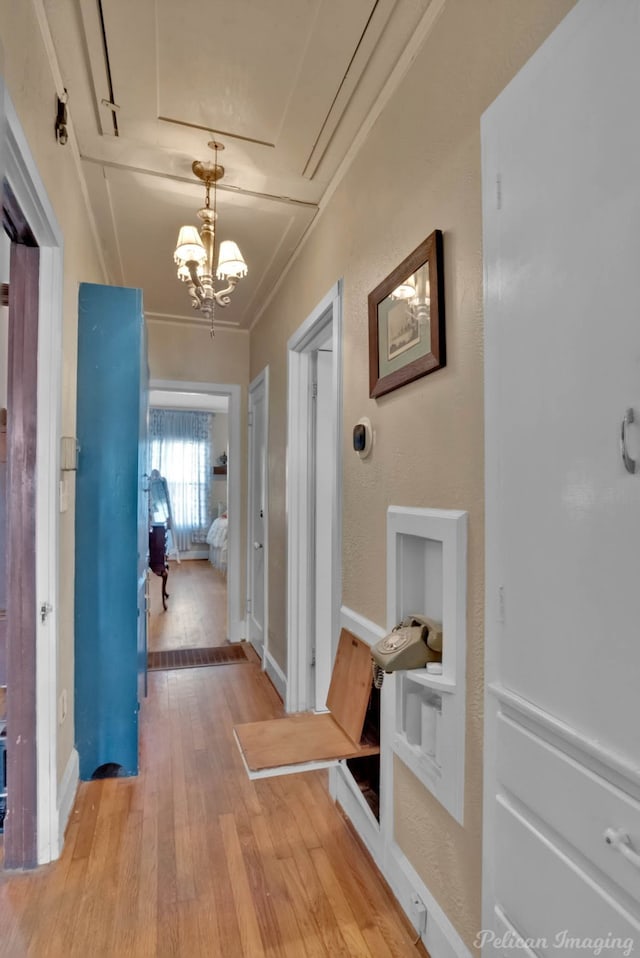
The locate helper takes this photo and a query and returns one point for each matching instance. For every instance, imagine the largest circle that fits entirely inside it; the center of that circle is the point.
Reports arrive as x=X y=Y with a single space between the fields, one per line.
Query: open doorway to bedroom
x=193 y=447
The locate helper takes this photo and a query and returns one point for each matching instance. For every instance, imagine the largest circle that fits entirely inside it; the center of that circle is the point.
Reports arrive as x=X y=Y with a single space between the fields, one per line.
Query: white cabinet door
x=561 y=205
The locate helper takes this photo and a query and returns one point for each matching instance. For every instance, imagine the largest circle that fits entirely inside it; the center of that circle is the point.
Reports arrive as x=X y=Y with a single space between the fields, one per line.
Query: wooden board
x=350 y=687
x=297 y=739
x=306 y=737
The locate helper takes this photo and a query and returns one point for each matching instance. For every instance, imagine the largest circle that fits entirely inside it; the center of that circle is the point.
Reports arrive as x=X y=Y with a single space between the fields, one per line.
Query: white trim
x=205 y=403
x=316 y=322
x=22 y=174
x=326 y=316
x=235 y=619
x=276 y=675
x=67 y=793
x=589 y=752
x=440 y=938
x=344 y=790
x=175 y=319
x=260 y=382
x=439 y=594
x=365 y=629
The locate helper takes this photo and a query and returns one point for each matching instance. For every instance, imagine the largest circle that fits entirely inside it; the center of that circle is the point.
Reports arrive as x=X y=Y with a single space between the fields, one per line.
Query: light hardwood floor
x=192 y=859
x=197 y=608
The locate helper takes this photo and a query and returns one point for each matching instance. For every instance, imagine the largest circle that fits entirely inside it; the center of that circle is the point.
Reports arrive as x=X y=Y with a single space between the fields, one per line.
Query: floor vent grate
x=196 y=658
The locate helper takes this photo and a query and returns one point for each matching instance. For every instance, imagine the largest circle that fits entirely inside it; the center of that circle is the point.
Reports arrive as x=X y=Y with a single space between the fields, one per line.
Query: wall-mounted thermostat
x=362 y=438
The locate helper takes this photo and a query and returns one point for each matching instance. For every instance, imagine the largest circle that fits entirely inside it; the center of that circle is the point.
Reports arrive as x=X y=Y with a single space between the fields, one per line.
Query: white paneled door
x=257 y=561
x=324 y=469
x=561 y=206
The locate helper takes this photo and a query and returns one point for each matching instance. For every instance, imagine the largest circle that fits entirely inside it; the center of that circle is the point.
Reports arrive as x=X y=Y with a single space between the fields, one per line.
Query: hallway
x=192 y=859
x=196 y=615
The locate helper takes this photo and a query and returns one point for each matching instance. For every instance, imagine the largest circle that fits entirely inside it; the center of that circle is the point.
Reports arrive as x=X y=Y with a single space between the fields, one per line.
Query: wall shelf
x=427 y=575
x=437 y=682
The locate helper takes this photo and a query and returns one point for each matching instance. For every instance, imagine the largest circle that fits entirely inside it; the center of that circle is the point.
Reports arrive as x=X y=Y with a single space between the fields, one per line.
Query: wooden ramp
x=307 y=740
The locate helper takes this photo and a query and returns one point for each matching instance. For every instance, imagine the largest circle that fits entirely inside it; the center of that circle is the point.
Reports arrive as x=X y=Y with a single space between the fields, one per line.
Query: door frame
x=261 y=381
x=326 y=316
x=21 y=173
x=235 y=620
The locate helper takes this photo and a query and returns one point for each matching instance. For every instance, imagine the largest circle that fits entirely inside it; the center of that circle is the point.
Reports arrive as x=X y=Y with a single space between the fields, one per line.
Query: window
x=181 y=451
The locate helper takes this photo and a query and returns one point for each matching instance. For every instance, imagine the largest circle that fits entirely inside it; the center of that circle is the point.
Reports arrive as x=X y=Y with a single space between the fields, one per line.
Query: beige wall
x=418 y=170
x=188 y=354
x=31 y=87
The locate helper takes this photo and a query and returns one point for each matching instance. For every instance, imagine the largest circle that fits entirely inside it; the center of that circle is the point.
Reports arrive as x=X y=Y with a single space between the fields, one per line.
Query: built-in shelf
x=437 y=682
x=427 y=575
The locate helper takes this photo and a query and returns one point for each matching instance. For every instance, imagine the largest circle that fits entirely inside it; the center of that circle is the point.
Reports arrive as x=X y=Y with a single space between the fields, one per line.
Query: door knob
x=257 y=545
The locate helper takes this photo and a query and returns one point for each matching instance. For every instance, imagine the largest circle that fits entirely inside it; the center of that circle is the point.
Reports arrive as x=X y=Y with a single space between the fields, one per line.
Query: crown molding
x=397 y=75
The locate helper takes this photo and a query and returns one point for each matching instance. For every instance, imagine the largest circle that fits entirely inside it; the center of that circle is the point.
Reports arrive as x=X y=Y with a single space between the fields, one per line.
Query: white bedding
x=217 y=540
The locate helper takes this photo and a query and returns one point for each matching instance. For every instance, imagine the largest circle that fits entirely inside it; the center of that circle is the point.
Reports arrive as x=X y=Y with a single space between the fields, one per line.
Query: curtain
x=181 y=451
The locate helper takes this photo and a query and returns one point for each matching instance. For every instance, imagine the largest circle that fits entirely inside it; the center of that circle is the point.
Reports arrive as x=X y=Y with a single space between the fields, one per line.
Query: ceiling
x=285 y=85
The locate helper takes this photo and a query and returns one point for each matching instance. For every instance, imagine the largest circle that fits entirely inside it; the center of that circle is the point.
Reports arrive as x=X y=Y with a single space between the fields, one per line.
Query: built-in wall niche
x=427 y=575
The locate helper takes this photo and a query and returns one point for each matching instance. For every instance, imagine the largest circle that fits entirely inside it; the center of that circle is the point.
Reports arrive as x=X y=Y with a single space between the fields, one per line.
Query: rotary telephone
x=410 y=645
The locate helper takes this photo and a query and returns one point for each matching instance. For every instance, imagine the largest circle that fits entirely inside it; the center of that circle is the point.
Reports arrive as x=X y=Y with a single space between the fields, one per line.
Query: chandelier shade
x=195 y=252
x=230 y=261
x=189 y=247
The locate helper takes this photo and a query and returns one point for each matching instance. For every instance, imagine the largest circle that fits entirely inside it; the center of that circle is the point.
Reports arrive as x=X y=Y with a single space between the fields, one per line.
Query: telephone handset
x=412 y=643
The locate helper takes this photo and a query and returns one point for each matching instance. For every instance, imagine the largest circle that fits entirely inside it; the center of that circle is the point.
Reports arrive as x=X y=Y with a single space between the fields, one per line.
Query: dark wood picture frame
x=424 y=345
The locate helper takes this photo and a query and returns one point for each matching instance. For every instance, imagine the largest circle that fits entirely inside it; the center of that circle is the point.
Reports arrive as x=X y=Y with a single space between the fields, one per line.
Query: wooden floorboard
x=196 y=615
x=192 y=859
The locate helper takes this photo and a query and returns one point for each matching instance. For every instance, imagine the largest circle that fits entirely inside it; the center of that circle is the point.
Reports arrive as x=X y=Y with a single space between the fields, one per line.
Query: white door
x=325 y=459
x=561 y=197
x=257 y=561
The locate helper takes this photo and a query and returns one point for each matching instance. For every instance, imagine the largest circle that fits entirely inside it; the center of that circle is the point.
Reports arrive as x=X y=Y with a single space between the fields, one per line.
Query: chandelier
x=195 y=252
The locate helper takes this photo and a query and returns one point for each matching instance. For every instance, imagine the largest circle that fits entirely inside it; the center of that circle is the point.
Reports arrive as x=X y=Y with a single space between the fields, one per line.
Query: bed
x=217 y=540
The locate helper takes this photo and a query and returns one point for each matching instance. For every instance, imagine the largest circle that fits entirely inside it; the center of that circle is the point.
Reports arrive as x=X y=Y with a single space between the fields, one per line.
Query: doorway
x=41 y=794
x=224 y=401
x=314 y=502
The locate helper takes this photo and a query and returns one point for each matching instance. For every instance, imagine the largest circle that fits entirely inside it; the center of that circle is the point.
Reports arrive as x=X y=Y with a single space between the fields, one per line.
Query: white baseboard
x=257 y=647
x=347 y=794
x=276 y=675
x=439 y=937
x=67 y=794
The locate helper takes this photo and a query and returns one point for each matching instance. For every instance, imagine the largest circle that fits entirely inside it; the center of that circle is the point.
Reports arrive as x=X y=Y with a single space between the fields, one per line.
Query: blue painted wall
x=110 y=622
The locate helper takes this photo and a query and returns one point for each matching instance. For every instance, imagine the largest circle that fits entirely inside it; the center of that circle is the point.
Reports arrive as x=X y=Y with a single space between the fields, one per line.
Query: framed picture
x=406 y=320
